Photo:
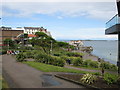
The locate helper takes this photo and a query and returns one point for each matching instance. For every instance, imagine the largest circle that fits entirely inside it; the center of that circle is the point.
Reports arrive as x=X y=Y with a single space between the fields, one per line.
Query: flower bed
x=99 y=84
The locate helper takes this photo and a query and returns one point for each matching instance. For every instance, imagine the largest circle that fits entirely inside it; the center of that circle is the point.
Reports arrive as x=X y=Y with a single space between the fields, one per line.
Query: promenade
x=19 y=75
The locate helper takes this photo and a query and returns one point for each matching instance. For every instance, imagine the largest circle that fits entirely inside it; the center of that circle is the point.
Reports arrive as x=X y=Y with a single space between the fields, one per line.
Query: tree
x=62 y=44
x=42 y=40
x=9 y=42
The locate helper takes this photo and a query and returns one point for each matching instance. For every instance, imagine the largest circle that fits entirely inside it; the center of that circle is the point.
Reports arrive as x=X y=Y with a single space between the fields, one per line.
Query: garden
x=49 y=55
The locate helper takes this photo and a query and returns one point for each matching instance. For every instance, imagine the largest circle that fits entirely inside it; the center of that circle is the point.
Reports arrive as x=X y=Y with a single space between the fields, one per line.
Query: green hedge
x=90 y=63
x=77 y=61
x=20 y=57
x=110 y=78
x=74 y=54
x=107 y=65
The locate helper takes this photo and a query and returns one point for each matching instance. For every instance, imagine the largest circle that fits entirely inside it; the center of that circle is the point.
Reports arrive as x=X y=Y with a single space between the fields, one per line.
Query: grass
x=51 y=68
x=3 y=83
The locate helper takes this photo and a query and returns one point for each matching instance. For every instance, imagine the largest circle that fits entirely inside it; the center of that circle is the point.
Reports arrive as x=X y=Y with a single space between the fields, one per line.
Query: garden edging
x=76 y=82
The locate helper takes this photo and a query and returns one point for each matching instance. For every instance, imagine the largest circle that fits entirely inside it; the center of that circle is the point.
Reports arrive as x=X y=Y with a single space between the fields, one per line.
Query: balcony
x=113 y=25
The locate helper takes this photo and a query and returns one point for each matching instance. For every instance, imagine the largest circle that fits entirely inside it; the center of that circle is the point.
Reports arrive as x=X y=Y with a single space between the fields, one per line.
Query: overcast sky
x=65 y=20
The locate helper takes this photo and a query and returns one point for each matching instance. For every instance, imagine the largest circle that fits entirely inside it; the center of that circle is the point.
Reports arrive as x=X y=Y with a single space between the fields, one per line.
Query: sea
x=107 y=50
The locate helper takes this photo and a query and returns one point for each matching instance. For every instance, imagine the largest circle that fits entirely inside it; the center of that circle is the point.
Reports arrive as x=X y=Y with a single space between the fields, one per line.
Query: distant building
x=8 y=33
x=76 y=43
x=33 y=30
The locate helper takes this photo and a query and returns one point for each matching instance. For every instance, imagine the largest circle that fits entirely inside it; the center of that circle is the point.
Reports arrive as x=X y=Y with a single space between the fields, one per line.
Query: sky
x=66 y=20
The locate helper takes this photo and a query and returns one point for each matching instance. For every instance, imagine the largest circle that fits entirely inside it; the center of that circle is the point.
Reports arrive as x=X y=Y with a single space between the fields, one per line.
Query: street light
x=51 y=46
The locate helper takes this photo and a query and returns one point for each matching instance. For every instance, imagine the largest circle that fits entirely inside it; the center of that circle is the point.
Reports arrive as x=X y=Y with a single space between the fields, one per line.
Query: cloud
x=59 y=1
x=98 y=10
x=84 y=33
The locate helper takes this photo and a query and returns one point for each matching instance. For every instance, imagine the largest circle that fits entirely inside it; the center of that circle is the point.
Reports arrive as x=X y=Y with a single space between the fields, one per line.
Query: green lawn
x=3 y=83
x=51 y=68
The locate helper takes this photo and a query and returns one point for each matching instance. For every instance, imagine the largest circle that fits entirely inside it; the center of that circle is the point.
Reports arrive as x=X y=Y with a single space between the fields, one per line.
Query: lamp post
x=51 y=47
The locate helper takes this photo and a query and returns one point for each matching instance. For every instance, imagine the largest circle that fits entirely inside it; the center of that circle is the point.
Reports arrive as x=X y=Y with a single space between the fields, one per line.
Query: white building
x=77 y=43
x=33 y=30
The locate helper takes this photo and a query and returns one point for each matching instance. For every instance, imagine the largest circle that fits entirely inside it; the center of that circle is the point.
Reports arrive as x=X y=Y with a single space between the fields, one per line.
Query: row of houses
x=12 y=33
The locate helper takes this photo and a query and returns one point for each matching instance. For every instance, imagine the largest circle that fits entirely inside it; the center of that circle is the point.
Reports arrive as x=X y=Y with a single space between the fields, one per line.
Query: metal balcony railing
x=115 y=20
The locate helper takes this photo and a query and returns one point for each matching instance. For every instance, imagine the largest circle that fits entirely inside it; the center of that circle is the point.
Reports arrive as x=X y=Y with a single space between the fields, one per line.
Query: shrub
x=56 y=54
x=28 y=54
x=58 y=61
x=110 y=78
x=67 y=59
x=4 y=52
x=74 y=54
x=77 y=61
x=105 y=65
x=86 y=63
x=113 y=67
x=41 y=57
x=88 y=79
x=97 y=73
x=118 y=81
x=48 y=59
x=20 y=57
x=94 y=64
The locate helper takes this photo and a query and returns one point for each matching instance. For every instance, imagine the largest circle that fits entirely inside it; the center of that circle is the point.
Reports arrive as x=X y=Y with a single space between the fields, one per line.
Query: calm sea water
x=107 y=50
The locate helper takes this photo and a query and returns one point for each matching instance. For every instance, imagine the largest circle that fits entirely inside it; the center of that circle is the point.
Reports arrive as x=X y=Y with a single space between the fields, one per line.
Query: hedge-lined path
x=19 y=75
x=89 y=70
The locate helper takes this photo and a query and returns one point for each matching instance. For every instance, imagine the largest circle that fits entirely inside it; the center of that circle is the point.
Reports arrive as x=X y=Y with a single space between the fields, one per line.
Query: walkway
x=90 y=70
x=20 y=75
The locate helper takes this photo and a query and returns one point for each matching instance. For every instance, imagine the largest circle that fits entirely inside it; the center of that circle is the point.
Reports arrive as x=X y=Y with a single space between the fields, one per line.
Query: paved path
x=20 y=75
x=82 y=69
x=90 y=70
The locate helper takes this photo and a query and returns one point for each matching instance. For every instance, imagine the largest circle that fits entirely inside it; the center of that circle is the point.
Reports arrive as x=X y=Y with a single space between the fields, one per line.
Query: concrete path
x=90 y=70
x=82 y=69
x=20 y=75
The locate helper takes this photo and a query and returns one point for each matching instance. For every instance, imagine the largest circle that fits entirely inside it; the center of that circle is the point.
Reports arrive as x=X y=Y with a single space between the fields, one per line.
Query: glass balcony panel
x=115 y=20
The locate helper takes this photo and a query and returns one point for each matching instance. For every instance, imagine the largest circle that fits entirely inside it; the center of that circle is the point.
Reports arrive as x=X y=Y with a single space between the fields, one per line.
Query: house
x=76 y=43
x=9 y=33
x=33 y=30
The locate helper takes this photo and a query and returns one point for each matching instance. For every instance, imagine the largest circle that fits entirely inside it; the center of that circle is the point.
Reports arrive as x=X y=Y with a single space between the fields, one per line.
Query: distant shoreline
x=87 y=40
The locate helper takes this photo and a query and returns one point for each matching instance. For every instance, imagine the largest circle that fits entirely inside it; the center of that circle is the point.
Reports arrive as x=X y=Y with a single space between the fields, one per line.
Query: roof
x=32 y=27
x=31 y=35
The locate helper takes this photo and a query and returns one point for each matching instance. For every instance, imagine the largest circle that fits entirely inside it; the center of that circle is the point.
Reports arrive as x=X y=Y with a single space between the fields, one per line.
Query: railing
x=115 y=20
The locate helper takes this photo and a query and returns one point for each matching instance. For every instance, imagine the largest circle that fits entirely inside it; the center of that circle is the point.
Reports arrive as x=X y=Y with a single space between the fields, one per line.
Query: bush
x=94 y=64
x=58 y=62
x=74 y=54
x=90 y=63
x=110 y=78
x=88 y=79
x=4 y=52
x=77 y=61
x=41 y=57
x=68 y=59
x=20 y=57
x=48 y=59
x=86 y=63
x=118 y=81
x=113 y=67
x=105 y=65
x=28 y=54
x=56 y=54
